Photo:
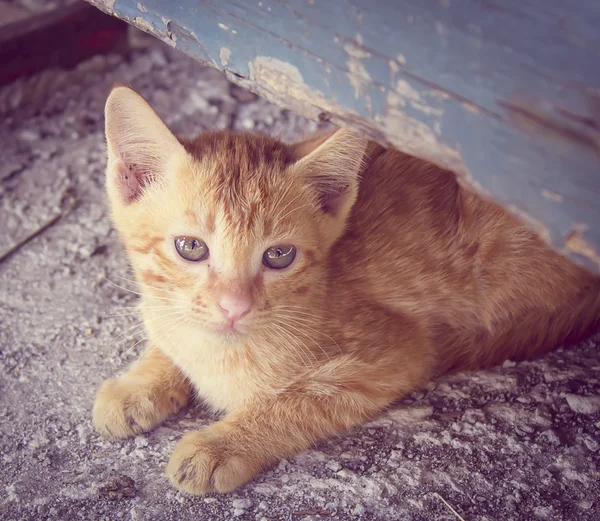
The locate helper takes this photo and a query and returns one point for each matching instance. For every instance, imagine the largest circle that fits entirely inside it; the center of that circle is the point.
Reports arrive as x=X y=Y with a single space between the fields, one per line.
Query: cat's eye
x=279 y=257
x=191 y=249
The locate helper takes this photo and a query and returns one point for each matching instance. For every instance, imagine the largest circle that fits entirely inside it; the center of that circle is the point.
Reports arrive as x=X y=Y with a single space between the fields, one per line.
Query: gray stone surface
x=514 y=443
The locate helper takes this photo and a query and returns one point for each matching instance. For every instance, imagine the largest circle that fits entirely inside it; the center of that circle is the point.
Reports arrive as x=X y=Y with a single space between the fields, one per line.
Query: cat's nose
x=234 y=307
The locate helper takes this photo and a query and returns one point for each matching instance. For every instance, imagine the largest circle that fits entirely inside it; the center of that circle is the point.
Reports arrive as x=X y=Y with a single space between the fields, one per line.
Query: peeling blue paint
x=507 y=93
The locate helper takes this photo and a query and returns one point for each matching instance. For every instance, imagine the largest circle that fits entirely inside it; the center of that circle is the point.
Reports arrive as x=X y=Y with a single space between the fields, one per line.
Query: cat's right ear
x=141 y=148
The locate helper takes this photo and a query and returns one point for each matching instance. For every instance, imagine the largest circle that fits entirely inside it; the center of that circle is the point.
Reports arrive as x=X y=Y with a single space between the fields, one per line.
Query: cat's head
x=228 y=233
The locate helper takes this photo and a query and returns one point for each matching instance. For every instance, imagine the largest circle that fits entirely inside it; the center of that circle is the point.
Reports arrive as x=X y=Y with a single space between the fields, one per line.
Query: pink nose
x=234 y=307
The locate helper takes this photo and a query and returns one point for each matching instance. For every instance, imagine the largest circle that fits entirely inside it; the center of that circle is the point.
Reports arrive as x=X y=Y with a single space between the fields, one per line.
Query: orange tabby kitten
x=302 y=289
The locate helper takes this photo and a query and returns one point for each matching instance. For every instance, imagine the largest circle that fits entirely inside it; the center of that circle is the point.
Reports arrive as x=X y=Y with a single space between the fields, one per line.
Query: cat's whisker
x=280 y=334
x=286 y=307
x=306 y=315
x=141 y=294
x=297 y=329
x=139 y=324
x=164 y=315
x=141 y=306
x=132 y=348
x=303 y=322
x=294 y=343
x=145 y=285
x=139 y=311
x=120 y=315
x=291 y=212
x=300 y=351
x=135 y=329
x=281 y=198
x=281 y=210
x=124 y=341
x=300 y=315
x=173 y=317
x=172 y=330
x=174 y=320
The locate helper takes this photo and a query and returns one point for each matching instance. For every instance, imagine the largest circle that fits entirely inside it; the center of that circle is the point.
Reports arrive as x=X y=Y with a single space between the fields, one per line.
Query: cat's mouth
x=230 y=329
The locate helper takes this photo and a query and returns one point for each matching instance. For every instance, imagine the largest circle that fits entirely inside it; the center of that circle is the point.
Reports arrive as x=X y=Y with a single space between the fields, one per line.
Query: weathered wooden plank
x=506 y=94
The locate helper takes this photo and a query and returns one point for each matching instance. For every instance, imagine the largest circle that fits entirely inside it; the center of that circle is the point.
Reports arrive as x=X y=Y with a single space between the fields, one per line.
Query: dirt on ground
x=518 y=442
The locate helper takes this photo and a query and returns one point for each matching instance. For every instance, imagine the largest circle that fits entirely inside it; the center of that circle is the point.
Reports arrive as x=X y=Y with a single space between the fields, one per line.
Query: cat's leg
x=340 y=395
x=142 y=398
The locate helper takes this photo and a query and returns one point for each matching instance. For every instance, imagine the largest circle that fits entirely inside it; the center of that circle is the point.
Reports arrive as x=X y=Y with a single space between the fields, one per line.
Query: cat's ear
x=140 y=146
x=332 y=165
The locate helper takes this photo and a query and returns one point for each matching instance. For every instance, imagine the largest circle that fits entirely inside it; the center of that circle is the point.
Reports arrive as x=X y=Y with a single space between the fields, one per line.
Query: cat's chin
x=227 y=333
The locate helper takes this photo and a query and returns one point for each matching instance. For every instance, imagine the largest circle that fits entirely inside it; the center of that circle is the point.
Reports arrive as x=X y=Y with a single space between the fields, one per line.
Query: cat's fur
x=400 y=277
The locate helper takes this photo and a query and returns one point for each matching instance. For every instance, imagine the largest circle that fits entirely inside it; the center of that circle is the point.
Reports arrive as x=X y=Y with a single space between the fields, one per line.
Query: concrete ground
x=518 y=442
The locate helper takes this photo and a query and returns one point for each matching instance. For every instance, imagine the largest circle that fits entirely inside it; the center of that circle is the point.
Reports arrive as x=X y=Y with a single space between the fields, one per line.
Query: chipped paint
x=144 y=25
x=417 y=138
x=427 y=109
x=359 y=78
x=470 y=107
x=411 y=118
x=166 y=36
x=552 y=196
x=394 y=68
x=404 y=89
x=224 y=56
x=395 y=100
x=404 y=93
x=108 y=6
x=282 y=83
x=576 y=243
x=267 y=67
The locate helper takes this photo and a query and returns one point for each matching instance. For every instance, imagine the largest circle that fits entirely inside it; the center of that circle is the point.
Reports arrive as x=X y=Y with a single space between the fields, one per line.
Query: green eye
x=191 y=249
x=279 y=257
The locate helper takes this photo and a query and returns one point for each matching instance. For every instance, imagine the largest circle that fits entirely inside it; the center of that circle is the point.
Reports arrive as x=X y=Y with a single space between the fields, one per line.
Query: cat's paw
x=127 y=406
x=203 y=463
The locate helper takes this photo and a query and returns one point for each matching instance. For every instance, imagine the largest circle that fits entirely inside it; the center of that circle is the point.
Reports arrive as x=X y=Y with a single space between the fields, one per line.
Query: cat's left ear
x=332 y=165
x=141 y=148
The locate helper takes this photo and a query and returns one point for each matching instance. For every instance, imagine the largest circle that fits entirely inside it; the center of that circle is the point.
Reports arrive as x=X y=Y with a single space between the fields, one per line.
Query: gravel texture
x=518 y=442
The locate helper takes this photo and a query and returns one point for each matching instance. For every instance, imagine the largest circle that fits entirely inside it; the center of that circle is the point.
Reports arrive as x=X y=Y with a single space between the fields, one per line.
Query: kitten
x=300 y=299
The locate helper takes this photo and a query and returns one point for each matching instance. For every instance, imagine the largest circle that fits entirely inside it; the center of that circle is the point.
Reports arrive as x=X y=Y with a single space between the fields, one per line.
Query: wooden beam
x=505 y=94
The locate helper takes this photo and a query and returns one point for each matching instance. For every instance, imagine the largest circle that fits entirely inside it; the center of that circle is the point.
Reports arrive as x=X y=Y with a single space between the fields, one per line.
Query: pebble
x=334 y=466
x=29 y=135
x=591 y=443
x=141 y=442
x=583 y=404
x=242 y=503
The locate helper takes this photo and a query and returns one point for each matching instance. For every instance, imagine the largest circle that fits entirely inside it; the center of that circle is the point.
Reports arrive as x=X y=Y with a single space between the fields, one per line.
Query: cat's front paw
x=204 y=462
x=128 y=406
